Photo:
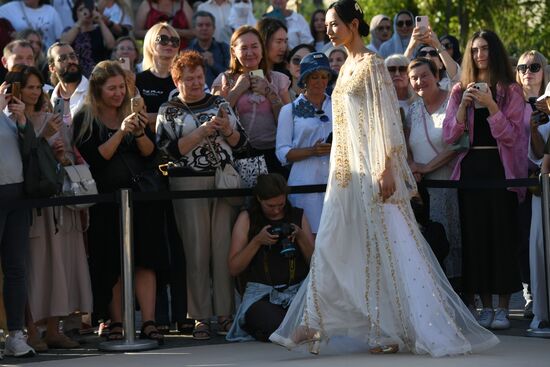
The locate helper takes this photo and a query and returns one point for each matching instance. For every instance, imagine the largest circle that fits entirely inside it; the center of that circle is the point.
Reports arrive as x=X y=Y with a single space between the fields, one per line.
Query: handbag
x=250 y=168
x=78 y=181
x=149 y=180
x=462 y=144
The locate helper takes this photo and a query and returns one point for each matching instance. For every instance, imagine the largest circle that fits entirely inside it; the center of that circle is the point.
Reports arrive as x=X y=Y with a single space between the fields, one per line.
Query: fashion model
x=374 y=283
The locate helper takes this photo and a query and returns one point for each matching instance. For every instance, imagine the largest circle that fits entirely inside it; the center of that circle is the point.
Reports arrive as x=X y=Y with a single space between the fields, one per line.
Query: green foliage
x=521 y=24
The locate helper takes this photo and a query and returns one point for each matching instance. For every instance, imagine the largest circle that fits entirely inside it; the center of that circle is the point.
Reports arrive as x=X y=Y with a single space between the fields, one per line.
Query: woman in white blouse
x=304 y=134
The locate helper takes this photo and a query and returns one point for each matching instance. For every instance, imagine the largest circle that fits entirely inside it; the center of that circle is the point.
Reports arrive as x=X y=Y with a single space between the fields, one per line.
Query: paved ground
x=515 y=350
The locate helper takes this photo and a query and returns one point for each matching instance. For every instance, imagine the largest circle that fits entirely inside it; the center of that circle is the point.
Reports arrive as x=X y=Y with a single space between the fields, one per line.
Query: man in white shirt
x=65 y=70
x=220 y=10
x=298 y=27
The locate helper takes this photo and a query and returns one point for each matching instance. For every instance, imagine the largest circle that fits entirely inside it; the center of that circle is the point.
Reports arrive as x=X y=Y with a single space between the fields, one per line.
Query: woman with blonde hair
x=155 y=85
x=532 y=74
x=118 y=147
x=256 y=92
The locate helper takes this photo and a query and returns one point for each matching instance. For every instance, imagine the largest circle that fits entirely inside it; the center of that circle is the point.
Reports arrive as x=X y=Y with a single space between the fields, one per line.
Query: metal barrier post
x=545 y=199
x=129 y=343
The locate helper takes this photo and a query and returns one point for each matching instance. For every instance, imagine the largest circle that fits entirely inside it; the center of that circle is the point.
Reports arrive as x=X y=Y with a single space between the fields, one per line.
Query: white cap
x=546 y=93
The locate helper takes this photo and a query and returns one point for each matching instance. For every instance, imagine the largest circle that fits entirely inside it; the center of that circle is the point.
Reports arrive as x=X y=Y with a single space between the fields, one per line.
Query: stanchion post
x=129 y=344
x=545 y=202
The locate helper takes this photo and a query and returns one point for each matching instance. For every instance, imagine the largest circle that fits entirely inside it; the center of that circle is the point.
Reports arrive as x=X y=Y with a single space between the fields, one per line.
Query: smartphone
x=328 y=140
x=124 y=63
x=483 y=87
x=59 y=106
x=16 y=90
x=224 y=106
x=136 y=104
x=258 y=72
x=422 y=21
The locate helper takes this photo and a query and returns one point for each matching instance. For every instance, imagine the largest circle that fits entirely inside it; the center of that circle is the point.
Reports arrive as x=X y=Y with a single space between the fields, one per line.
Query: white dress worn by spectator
x=443 y=202
x=44 y=19
x=221 y=12
x=116 y=15
x=297 y=131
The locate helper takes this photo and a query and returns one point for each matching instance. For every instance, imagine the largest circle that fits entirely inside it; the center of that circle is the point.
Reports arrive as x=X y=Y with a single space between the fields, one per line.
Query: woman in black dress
x=117 y=146
x=489 y=104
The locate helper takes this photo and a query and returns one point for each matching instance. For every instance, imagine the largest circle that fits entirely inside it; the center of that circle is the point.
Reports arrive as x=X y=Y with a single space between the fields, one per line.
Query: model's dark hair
x=500 y=70
x=348 y=10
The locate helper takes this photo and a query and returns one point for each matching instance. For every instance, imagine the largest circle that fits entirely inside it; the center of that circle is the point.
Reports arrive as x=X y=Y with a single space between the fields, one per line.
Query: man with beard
x=65 y=71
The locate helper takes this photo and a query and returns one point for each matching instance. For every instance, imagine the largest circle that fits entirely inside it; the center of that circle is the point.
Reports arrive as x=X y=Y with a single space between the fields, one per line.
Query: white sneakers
x=496 y=320
x=500 y=321
x=16 y=345
x=486 y=317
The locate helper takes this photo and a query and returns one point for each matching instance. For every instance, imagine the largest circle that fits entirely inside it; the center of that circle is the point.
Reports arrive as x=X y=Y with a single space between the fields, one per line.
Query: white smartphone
x=257 y=72
x=422 y=21
x=483 y=87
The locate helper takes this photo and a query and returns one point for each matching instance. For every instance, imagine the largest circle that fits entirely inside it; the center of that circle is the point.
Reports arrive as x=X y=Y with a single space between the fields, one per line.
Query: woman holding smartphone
x=118 y=147
x=255 y=92
x=489 y=104
x=58 y=278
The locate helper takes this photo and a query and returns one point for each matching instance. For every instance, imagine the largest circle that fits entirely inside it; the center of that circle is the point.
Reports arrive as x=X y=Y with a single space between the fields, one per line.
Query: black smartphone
x=328 y=140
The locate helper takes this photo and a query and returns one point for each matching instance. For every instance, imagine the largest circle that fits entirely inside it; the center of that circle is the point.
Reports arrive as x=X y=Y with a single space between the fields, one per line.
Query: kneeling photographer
x=271 y=247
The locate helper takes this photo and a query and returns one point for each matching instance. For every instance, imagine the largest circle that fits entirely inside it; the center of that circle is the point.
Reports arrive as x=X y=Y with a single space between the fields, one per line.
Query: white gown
x=373 y=279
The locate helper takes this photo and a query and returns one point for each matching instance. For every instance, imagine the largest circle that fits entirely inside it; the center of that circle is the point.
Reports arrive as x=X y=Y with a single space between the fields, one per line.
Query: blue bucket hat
x=313 y=62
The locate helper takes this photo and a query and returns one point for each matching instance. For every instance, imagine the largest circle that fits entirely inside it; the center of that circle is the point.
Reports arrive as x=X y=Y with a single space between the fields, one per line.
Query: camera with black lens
x=284 y=231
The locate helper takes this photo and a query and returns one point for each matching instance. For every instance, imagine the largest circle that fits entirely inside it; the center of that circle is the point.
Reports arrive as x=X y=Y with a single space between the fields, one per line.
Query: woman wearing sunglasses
x=295 y=56
x=426 y=44
x=380 y=31
x=403 y=25
x=397 y=67
x=304 y=134
x=155 y=84
x=489 y=104
x=532 y=75
x=452 y=46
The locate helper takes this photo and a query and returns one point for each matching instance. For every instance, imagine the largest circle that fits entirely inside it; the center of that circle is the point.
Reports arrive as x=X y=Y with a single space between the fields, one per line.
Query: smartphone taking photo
x=482 y=87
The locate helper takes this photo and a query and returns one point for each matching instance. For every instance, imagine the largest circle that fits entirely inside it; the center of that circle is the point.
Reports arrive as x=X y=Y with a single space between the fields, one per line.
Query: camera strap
x=291 y=272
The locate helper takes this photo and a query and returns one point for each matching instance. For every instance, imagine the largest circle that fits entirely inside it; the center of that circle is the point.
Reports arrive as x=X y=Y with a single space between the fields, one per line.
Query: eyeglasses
x=403 y=23
x=533 y=68
x=63 y=58
x=446 y=45
x=322 y=116
x=426 y=53
x=164 y=40
x=296 y=61
x=400 y=69
x=383 y=28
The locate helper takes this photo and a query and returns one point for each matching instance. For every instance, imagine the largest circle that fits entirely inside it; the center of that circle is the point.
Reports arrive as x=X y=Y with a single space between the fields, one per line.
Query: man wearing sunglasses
x=403 y=24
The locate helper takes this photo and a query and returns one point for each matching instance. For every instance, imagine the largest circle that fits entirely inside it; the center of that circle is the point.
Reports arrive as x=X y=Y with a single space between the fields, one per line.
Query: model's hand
x=387 y=184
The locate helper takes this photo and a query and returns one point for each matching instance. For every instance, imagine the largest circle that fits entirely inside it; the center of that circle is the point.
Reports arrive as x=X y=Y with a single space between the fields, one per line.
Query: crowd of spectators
x=216 y=84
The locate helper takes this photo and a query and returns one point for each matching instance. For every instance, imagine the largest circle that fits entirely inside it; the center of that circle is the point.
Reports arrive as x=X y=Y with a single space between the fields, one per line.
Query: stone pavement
x=515 y=350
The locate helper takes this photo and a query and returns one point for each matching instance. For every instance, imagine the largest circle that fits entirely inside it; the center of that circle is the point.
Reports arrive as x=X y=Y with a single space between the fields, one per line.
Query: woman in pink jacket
x=489 y=105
